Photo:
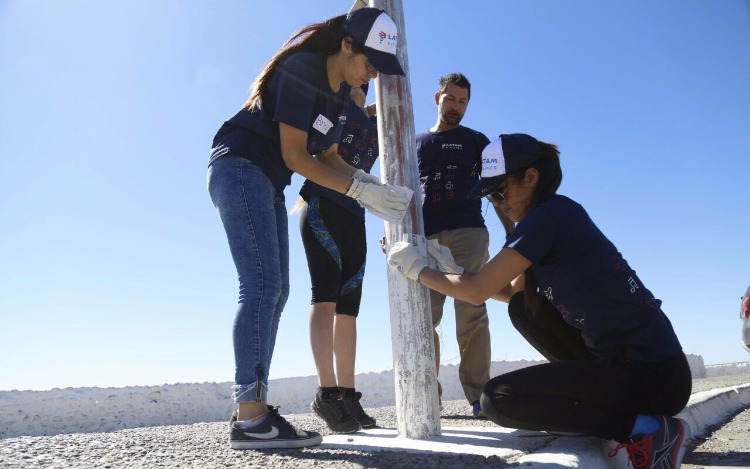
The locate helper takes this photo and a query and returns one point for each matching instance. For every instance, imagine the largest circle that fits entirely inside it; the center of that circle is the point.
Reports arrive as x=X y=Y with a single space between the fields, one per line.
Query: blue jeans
x=255 y=220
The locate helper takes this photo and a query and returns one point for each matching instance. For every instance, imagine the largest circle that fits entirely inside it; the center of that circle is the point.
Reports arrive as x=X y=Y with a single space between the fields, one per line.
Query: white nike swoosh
x=272 y=433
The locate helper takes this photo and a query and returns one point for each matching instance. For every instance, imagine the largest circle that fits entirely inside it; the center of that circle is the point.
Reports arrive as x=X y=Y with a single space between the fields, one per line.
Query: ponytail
x=324 y=38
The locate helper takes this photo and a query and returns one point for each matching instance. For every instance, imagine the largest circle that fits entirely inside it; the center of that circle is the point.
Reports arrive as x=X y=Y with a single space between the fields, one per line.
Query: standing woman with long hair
x=617 y=370
x=289 y=118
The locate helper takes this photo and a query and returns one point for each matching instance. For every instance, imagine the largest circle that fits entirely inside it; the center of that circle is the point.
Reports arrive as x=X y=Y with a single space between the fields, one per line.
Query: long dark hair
x=324 y=38
x=550 y=177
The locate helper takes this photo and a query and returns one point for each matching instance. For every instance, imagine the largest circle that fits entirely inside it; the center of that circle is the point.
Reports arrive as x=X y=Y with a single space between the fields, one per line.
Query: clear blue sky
x=114 y=267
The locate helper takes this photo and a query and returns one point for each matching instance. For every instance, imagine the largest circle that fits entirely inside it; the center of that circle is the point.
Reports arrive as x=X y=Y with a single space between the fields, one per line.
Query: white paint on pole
x=417 y=408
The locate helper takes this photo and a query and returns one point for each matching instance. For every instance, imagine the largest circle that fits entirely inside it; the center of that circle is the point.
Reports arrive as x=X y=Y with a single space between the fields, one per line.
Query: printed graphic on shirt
x=356 y=135
x=446 y=172
x=633 y=284
x=359 y=140
x=446 y=160
x=444 y=175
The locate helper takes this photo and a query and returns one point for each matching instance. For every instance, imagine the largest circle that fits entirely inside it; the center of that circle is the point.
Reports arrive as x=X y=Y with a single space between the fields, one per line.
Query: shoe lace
x=273 y=414
x=281 y=422
x=639 y=452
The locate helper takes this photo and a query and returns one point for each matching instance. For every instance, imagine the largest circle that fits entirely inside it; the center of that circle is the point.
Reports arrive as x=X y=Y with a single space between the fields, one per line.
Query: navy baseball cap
x=377 y=32
x=504 y=155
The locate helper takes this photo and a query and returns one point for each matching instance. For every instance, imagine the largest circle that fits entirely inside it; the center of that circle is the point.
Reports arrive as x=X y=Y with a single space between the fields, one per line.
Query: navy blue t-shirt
x=584 y=276
x=447 y=171
x=298 y=94
x=358 y=146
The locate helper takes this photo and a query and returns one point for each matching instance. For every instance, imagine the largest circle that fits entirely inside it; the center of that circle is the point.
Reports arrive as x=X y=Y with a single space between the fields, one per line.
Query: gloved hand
x=443 y=258
x=405 y=257
x=387 y=202
x=366 y=177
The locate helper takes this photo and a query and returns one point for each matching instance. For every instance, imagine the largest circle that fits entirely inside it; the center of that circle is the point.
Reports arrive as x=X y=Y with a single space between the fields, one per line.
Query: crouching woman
x=616 y=368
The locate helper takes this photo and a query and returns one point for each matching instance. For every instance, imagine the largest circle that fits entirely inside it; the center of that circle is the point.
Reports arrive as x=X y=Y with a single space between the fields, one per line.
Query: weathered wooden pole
x=417 y=408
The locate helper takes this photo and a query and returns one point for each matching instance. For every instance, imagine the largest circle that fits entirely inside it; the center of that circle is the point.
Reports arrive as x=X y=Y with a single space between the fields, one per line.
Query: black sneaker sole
x=312 y=440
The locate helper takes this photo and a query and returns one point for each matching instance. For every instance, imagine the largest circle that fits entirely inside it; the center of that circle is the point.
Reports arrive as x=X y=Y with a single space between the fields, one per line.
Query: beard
x=451 y=120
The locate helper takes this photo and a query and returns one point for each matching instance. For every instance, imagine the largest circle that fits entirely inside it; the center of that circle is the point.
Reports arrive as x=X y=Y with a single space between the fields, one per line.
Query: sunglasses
x=497 y=197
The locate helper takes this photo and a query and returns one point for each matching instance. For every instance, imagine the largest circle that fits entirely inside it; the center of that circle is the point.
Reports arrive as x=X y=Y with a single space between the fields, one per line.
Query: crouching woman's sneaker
x=663 y=449
x=273 y=432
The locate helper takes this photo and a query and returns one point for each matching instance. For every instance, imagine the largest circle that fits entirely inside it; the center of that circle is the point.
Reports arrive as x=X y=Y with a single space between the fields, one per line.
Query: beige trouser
x=469 y=248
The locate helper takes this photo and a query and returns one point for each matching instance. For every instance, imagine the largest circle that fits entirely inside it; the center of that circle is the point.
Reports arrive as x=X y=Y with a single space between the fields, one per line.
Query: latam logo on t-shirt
x=452 y=146
x=322 y=124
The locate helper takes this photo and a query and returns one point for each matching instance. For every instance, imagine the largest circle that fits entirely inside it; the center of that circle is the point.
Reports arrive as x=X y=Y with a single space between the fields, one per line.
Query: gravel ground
x=205 y=445
x=725 y=446
x=728 y=446
x=706 y=384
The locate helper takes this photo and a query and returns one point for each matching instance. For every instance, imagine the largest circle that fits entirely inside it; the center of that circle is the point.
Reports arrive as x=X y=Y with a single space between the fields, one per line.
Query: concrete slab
x=482 y=441
x=530 y=449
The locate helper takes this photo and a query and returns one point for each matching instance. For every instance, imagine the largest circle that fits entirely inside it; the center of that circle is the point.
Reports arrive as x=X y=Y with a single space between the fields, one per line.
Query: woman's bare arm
x=492 y=281
x=296 y=158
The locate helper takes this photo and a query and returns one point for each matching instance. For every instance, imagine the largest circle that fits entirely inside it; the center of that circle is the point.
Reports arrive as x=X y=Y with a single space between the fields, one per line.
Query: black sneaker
x=333 y=411
x=661 y=450
x=355 y=410
x=273 y=432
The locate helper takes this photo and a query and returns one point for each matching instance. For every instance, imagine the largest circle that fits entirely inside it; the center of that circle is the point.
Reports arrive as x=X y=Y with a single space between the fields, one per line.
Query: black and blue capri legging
x=336 y=248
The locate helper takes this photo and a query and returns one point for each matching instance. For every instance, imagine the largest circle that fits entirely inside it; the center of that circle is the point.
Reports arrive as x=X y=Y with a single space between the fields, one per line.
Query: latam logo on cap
x=383 y=35
x=493 y=159
x=505 y=154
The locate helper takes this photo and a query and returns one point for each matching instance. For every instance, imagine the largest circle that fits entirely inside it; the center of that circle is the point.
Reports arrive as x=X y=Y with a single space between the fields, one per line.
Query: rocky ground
x=205 y=445
x=725 y=446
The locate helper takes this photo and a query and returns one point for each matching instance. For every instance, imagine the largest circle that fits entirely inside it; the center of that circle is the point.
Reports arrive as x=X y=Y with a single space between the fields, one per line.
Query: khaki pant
x=469 y=247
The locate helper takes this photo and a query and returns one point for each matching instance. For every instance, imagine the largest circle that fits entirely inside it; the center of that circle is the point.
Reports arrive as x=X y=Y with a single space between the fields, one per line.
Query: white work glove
x=443 y=258
x=387 y=202
x=366 y=177
x=405 y=257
